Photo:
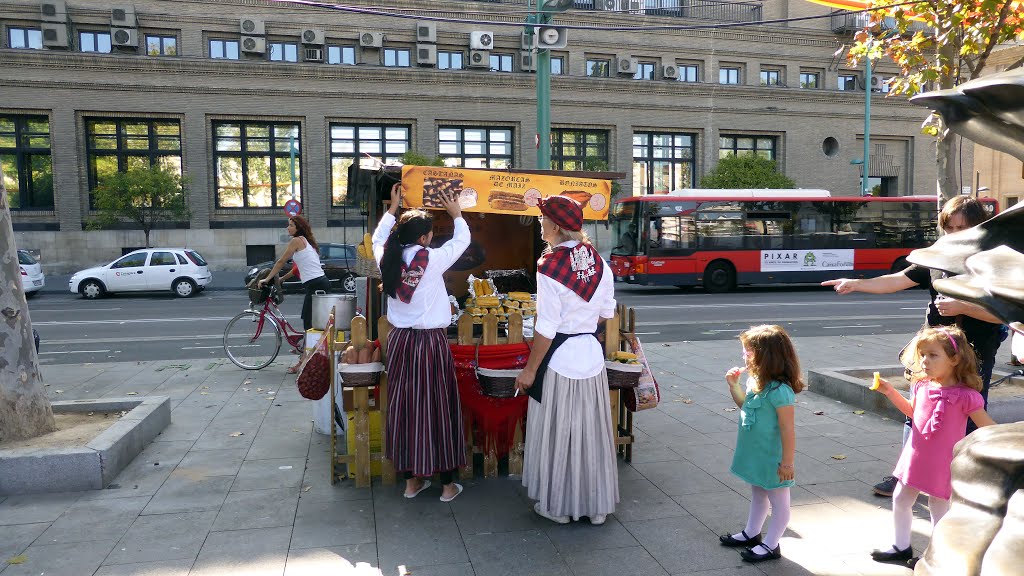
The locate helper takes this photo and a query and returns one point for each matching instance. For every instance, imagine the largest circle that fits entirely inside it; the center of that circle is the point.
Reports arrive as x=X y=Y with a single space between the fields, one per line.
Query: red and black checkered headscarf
x=565 y=212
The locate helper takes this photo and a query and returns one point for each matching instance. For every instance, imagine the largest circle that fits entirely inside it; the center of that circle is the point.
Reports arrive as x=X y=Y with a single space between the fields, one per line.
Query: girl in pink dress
x=944 y=393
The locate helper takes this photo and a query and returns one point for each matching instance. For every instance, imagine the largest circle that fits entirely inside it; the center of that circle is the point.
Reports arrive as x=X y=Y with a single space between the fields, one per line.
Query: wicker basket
x=356 y=375
x=623 y=375
x=497 y=383
x=367 y=267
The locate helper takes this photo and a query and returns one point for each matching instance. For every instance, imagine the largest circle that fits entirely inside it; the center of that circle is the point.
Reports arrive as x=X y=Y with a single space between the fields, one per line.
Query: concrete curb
x=89 y=467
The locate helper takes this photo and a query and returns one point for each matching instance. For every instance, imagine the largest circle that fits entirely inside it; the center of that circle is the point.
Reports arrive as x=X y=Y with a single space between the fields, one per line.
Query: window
x=31 y=38
x=94 y=42
x=571 y=148
x=556 y=64
x=25 y=156
x=449 y=60
x=729 y=76
x=117 y=145
x=768 y=78
x=396 y=57
x=598 y=68
x=670 y=234
x=847 y=82
x=645 y=71
x=161 y=45
x=341 y=55
x=224 y=49
x=501 y=62
x=252 y=163
x=662 y=162
x=284 y=52
x=1011 y=201
x=475 y=147
x=350 y=142
x=809 y=80
x=763 y=146
x=689 y=73
x=131 y=261
x=162 y=259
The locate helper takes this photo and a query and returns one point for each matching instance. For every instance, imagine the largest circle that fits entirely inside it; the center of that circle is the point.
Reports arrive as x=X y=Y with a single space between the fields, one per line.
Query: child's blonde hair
x=954 y=344
x=774 y=357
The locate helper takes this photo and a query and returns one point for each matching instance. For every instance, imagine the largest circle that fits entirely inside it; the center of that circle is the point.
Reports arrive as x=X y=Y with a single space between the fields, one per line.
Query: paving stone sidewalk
x=238 y=485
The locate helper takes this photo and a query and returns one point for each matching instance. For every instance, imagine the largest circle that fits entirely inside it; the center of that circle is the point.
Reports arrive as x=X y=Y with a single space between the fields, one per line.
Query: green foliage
x=414 y=158
x=746 y=171
x=143 y=196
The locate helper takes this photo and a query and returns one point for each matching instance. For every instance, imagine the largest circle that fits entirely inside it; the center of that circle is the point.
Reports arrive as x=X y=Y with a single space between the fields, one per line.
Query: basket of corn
x=623 y=370
x=366 y=264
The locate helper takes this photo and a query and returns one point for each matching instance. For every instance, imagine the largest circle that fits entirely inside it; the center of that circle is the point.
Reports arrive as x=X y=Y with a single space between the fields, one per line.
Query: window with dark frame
x=662 y=162
x=735 y=145
x=501 y=62
x=120 y=144
x=645 y=71
x=475 y=146
x=689 y=73
x=369 y=144
x=599 y=68
x=810 y=80
x=98 y=42
x=25 y=158
x=572 y=147
x=283 y=51
x=224 y=49
x=770 y=77
x=252 y=163
x=448 y=60
x=25 y=38
x=557 y=63
x=847 y=82
x=341 y=55
x=397 y=57
x=729 y=76
x=160 y=45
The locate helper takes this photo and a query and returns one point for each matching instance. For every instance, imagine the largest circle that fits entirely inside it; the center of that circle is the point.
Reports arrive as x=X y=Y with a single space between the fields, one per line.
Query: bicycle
x=248 y=340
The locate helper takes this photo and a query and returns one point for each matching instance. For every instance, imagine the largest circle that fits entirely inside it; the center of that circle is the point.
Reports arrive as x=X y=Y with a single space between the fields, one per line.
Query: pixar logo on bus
x=780 y=256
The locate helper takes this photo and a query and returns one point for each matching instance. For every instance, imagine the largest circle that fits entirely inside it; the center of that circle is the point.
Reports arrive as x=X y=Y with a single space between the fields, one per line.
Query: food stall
x=493 y=304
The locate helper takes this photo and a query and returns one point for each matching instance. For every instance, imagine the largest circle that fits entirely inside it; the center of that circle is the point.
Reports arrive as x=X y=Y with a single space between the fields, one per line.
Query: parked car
x=180 y=270
x=338 y=261
x=32 y=279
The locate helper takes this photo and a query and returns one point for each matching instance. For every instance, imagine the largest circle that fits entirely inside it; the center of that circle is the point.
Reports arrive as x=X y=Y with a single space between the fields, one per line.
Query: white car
x=180 y=270
x=32 y=279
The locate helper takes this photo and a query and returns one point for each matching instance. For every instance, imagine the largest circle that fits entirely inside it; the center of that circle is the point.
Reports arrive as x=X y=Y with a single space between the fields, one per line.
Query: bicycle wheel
x=245 y=347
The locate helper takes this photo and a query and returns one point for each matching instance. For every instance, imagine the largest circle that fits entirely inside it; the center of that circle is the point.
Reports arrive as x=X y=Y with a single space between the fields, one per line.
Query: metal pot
x=344 y=305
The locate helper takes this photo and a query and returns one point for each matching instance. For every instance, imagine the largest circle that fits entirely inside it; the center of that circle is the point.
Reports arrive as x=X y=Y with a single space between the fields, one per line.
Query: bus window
x=767 y=230
x=672 y=234
x=856 y=224
x=812 y=226
x=625 y=229
x=720 y=230
x=908 y=224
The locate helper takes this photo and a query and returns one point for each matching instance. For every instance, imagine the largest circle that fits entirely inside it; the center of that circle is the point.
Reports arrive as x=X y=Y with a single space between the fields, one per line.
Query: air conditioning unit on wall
x=123 y=17
x=670 y=72
x=627 y=66
x=481 y=40
x=371 y=39
x=479 y=59
x=252 y=27
x=254 y=44
x=311 y=36
x=879 y=83
x=124 y=37
x=53 y=11
x=426 y=32
x=55 y=34
x=426 y=54
x=527 y=61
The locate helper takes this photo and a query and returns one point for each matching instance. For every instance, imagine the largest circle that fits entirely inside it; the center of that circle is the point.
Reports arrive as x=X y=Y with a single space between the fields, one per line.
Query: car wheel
x=348 y=284
x=184 y=288
x=91 y=289
x=719 y=277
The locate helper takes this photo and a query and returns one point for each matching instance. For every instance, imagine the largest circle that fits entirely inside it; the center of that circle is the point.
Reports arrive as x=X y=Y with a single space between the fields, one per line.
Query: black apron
x=536 y=390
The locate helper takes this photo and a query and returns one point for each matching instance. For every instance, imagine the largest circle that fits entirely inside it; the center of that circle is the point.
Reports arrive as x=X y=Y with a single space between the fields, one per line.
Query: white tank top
x=309 y=263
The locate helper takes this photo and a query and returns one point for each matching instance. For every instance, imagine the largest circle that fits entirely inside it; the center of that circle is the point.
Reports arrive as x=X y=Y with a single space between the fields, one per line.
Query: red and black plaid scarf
x=578 y=268
x=411 y=275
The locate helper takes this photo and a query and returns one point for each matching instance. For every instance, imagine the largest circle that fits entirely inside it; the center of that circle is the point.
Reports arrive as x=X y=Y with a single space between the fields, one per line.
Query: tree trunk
x=946 y=163
x=24 y=410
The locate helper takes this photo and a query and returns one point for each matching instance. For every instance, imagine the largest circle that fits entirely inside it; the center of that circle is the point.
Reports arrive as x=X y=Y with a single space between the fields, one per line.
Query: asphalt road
x=128 y=327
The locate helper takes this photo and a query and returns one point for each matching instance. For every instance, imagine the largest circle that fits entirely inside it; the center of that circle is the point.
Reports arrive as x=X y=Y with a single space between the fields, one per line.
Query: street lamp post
x=867 y=124
x=545 y=8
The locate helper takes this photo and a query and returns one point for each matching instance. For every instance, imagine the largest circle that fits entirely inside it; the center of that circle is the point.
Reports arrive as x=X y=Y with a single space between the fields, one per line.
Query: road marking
x=34 y=310
x=766 y=304
x=645 y=333
x=716 y=331
x=775 y=320
x=75 y=352
x=855 y=326
x=133 y=321
x=916 y=308
x=134 y=339
x=202 y=347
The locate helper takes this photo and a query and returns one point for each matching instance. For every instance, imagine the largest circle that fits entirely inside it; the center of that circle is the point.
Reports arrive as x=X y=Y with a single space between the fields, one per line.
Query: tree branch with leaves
x=143 y=196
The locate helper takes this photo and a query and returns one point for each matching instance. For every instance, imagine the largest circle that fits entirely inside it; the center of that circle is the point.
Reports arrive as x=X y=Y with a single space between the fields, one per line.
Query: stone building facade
x=229 y=91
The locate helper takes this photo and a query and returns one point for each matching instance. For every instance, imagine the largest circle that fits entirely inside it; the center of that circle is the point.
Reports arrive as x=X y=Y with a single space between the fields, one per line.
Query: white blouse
x=429 y=307
x=559 y=309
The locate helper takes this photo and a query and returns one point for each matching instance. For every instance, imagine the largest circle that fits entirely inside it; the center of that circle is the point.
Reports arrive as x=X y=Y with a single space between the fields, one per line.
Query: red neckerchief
x=578 y=268
x=411 y=275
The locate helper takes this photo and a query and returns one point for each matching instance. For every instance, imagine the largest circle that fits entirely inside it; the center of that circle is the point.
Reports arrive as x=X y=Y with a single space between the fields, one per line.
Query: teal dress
x=759 y=442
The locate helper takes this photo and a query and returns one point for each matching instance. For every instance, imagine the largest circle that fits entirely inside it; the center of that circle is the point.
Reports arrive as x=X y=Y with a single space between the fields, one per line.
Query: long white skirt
x=569 y=462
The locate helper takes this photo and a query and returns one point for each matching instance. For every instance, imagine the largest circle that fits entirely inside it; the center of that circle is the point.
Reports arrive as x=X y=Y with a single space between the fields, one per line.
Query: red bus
x=722 y=238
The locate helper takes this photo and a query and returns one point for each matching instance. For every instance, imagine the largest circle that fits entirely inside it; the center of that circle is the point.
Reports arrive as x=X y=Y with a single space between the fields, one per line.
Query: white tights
x=903 y=499
x=759 y=504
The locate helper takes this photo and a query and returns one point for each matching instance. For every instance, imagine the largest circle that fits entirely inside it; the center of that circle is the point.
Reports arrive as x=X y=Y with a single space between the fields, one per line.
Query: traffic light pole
x=543 y=98
x=867 y=127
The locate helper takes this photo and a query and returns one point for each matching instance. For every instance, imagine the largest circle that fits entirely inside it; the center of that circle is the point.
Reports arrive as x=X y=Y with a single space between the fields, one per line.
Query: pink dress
x=940 y=421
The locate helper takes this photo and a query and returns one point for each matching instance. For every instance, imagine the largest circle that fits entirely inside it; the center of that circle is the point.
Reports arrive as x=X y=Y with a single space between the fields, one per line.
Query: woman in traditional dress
x=569 y=466
x=424 y=419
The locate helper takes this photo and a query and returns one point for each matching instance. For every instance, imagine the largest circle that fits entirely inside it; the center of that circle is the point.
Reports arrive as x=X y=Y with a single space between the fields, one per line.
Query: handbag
x=314 y=379
x=646 y=394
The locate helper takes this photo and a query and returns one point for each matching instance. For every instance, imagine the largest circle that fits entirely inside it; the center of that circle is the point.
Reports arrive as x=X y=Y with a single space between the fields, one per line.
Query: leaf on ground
x=204 y=393
x=687 y=401
x=858 y=411
x=839 y=457
x=58 y=391
x=245 y=389
x=236 y=434
x=819 y=412
x=259 y=389
x=307 y=488
x=132 y=394
x=730 y=409
x=17 y=559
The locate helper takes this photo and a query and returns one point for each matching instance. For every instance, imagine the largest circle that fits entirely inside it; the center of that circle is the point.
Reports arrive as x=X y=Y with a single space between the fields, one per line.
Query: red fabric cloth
x=411 y=275
x=563 y=211
x=579 y=268
x=493 y=419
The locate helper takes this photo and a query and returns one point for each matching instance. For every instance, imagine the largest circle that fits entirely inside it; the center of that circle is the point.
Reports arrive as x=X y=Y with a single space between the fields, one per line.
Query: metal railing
x=716 y=10
x=843 y=22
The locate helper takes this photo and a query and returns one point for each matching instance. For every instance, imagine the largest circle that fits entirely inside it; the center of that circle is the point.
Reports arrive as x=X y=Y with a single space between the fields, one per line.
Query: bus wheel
x=719 y=276
x=899 y=265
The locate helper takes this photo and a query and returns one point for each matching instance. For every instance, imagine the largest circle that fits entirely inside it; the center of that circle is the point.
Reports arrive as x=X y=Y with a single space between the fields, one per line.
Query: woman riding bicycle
x=303 y=249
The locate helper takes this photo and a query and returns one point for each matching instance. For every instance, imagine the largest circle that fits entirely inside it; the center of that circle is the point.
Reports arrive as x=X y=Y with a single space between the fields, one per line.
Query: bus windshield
x=626 y=229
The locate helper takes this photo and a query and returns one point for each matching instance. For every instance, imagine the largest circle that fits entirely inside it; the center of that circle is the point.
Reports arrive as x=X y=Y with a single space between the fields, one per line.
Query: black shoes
x=893 y=555
x=753 y=556
x=728 y=540
x=885 y=487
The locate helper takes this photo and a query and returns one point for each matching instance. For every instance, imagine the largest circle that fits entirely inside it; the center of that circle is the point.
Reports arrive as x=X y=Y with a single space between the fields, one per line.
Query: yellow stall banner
x=498 y=192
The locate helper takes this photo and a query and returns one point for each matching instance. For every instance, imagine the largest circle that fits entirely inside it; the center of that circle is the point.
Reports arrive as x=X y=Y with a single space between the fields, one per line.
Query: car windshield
x=25 y=258
x=195 y=257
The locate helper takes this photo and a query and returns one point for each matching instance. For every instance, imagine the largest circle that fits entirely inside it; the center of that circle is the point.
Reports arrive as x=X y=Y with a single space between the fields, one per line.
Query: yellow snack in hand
x=876 y=382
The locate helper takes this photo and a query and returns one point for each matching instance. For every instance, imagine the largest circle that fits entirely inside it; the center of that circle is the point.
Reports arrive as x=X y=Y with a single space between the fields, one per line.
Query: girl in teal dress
x=765 y=443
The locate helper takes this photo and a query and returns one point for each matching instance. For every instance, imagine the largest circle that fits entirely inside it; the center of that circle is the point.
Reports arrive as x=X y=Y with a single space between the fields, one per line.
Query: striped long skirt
x=424 y=419
x=569 y=463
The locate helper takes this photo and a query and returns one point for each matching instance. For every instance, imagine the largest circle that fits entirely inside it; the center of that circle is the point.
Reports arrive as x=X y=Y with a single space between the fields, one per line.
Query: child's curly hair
x=962 y=354
x=774 y=357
